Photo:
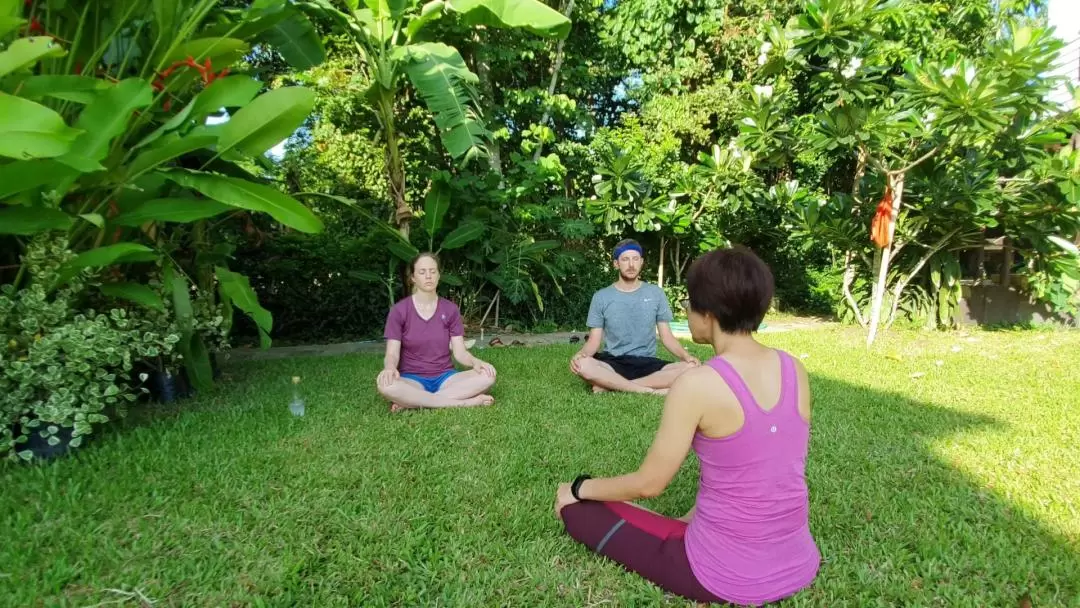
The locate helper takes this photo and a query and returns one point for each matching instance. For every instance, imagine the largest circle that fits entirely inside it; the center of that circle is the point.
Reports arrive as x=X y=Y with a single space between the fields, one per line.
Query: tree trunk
x=896 y=183
x=1007 y=263
x=554 y=80
x=849 y=278
x=395 y=174
x=660 y=271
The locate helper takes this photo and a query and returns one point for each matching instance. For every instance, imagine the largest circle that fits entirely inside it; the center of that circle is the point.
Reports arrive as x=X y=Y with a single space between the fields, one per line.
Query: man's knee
x=586 y=368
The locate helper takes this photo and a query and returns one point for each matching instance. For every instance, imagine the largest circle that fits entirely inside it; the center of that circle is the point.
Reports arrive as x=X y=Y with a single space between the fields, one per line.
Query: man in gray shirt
x=625 y=317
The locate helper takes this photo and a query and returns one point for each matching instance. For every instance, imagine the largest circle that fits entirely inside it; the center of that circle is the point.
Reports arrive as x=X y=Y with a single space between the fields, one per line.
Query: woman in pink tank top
x=745 y=414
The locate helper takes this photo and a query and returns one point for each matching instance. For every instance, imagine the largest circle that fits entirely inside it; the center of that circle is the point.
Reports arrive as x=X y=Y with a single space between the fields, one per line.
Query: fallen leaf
x=918 y=375
x=957 y=348
x=1025 y=601
x=804 y=356
x=916 y=583
x=939 y=363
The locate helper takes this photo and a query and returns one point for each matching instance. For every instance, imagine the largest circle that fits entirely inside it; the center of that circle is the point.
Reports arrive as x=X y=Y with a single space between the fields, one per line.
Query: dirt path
x=507 y=339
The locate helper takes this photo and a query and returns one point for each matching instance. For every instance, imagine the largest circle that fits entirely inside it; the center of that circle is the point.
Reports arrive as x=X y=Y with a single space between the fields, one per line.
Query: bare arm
x=682 y=413
x=592 y=344
x=670 y=342
x=461 y=354
x=389 y=374
x=466 y=358
x=393 y=355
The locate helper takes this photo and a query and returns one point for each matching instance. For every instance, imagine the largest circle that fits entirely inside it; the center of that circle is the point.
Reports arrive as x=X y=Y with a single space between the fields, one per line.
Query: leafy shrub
x=62 y=366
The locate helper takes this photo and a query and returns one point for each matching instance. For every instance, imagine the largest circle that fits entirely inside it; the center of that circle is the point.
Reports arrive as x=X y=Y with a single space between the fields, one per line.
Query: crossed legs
x=464 y=389
x=603 y=377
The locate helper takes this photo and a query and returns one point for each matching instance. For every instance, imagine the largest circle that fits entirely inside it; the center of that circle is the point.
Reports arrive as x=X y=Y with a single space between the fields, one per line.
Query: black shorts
x=632 y=367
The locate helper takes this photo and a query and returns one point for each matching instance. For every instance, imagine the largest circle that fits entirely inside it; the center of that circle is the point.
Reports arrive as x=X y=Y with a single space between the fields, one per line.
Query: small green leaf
x=269 y=119
x=237 y=287
x=229 y=92
x=404 y=251
x=531 y=15
x=177 y=286
x=436 y=204
x=452 y=279
x=24 y=175
x=248 y=195
x=77 y=89
x=25 y=52
x=180 y=210
x=463 y=235
x=365 y=275
x=108 y=116
x=28 y=221
x=30 y=130
x=94 y=218
x=170 y=147
x=80 y=163
x=9 y=23
x=134 y=292
x=197 y=363
x=106 y=256
x=1065 y=244
x=296 y=39
x=430 y=11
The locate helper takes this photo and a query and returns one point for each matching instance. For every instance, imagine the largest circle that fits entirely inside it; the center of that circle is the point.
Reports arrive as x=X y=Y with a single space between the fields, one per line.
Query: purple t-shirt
x=425 y=345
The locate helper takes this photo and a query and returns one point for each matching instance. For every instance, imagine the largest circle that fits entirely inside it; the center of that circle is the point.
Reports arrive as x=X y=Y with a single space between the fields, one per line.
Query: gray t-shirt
x=629 y=318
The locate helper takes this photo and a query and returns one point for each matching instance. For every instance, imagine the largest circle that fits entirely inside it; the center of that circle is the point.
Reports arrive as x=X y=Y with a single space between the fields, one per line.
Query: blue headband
x=628 y=247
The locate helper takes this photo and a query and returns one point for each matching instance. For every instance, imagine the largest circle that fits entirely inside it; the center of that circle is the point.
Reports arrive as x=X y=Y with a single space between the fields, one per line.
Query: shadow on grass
x=228 y=499
x=898 y=524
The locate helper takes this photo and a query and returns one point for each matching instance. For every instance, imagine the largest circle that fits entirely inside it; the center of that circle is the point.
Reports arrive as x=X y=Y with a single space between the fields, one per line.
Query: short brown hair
x=735 y=285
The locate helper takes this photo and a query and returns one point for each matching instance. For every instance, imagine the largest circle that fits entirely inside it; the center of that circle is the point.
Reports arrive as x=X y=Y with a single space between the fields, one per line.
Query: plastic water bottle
x=296 y=406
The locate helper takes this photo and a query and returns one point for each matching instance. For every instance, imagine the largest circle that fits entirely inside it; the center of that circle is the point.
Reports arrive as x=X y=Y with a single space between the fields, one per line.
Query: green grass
x=956 y=488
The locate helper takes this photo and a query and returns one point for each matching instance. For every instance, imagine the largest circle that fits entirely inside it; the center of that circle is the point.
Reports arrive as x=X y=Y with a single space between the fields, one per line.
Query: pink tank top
x=749 y=541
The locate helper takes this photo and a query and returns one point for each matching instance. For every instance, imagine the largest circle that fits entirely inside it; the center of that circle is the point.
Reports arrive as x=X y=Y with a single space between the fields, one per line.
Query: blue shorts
x=431 y=384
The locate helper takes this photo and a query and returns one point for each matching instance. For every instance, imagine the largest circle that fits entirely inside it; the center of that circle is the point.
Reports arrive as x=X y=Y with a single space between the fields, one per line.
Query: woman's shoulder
x=401 y=304
x=448 y=305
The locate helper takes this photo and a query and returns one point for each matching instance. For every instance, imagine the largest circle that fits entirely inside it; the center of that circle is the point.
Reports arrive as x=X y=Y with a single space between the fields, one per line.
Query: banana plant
x=106 y=144
x=391 y=37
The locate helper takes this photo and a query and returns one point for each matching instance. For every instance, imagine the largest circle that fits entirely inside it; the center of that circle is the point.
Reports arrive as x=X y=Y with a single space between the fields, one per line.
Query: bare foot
x=599 y=389
x=659 y=391
x=481 y=400
x=395 y=408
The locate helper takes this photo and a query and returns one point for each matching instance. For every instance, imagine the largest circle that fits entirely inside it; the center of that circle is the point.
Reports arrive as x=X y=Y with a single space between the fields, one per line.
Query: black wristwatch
x=574 y=487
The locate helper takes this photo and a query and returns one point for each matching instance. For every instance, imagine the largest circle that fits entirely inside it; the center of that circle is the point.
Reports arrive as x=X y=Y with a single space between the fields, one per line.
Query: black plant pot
x=39 y=446
x=168 y=387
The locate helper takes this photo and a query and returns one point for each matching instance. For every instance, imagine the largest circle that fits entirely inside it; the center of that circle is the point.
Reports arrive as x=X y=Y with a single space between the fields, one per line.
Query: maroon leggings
x=641 y=541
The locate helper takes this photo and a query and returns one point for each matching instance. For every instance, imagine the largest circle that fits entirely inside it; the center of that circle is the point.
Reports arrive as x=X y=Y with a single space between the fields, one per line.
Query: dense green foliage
x=690 y=125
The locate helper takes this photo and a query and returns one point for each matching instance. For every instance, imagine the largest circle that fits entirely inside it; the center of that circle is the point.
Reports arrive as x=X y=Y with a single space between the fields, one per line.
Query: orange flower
x=879 y=227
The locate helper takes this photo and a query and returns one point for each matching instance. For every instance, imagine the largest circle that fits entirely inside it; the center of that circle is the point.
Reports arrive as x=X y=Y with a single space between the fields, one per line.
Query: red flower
x=879 y=226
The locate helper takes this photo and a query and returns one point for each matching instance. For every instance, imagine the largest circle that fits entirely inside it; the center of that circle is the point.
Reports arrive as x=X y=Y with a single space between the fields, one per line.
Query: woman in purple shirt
x=421 y=332
x=746 y=415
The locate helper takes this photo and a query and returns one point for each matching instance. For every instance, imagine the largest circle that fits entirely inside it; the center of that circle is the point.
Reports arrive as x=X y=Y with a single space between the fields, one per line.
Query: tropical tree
x=107 y=146
x=927 y=133
x=390 y=37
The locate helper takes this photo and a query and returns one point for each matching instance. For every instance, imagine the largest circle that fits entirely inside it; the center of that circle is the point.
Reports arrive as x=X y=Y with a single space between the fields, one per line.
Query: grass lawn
x=960 y=487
